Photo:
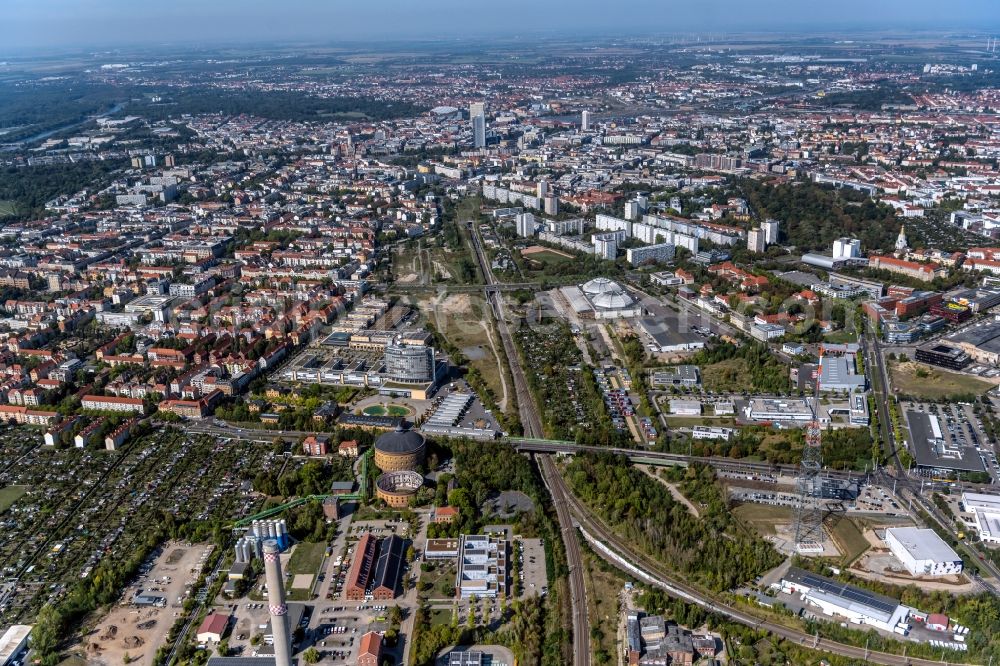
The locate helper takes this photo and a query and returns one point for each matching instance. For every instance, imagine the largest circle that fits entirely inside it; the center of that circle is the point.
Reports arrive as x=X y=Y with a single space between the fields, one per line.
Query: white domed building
x=602 y=298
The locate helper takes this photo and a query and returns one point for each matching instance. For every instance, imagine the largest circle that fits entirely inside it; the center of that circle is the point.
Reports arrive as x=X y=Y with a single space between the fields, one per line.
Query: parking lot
x=335 y=630
x=962 y=444
x=532 y=578
x=140 y=629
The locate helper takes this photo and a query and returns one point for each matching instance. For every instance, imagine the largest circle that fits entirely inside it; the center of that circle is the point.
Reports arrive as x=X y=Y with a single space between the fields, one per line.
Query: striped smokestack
x=276 y=604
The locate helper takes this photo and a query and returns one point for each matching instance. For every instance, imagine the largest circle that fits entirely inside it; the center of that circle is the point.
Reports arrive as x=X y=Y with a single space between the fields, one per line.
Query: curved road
x=624 y=556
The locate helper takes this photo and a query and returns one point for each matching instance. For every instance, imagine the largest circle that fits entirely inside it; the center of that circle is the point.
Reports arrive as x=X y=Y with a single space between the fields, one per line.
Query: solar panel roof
x=849 y=593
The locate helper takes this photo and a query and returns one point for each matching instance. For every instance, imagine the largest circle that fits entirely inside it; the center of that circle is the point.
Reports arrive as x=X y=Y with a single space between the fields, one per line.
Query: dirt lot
x=923 y=381
x=879 y=564
x=138 y=632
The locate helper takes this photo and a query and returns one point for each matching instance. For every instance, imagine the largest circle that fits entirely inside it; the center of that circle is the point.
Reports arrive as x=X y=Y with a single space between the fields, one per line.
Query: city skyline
x=63 y=24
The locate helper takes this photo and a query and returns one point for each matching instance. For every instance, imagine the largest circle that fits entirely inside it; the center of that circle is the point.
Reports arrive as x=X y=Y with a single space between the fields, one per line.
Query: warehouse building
x=923 y=552
x=676 y=375
x=986 y=510
x=981 y=341
x=839 y=373
x=840 y=600
x=667 y=339
x=685 y=407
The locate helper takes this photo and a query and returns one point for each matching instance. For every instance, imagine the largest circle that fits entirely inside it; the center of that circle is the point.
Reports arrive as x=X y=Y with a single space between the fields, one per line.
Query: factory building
x=376 y=571
x=923 y=552
x=388 y=569
x=840 y=600
x=362 y=567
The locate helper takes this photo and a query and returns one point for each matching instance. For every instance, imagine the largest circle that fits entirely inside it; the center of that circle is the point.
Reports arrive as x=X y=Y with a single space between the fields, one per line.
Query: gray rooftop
x=932 y=453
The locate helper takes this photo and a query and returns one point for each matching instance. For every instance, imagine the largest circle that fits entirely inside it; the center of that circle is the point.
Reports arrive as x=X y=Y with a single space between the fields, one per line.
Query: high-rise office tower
x=585 y=121
x=477 y=115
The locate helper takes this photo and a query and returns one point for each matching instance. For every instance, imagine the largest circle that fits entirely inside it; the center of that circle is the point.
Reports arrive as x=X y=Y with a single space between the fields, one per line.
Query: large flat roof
x=12 y=640
x=938 y=454
x=923 y=544
x=666 y=332
x=978 y=335
x=844 y=595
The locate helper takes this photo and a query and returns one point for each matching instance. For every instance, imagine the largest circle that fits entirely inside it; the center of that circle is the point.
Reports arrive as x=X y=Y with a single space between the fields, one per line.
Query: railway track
x=626 y=557
x=532 y=425
x=574 y=558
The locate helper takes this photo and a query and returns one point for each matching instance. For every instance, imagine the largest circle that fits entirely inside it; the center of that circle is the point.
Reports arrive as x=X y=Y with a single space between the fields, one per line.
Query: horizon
x=60 y=26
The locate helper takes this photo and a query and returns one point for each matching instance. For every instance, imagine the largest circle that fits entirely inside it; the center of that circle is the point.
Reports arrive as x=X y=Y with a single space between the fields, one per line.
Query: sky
x=49 y=25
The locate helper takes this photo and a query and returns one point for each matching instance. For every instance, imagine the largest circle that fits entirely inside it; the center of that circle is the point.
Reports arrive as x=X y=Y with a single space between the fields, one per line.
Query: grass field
x=9 y=495
x=726 y=376
x=306 y=558
x=546 y=257
x=925 y=382
x=603 y=588
x=763 y=517
x=442 y=574
x=440 y=617
x=851 y=542
x=7 y=208
x=462 y=319
x=841 y=337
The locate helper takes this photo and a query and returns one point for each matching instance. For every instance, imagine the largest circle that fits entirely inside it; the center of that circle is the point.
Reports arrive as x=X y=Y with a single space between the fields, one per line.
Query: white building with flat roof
x=482 y=566
x=779 y=409
x=685 y=407
x=986 y=509
x=841 y=600
x=923 y=552
x=711 y=432
x=13 y=642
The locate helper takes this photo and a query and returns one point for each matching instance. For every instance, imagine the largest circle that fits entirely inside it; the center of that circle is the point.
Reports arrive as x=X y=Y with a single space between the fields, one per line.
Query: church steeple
x=901 y=243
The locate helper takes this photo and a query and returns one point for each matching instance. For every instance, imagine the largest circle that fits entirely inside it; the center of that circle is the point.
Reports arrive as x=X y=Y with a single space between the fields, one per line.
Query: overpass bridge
x=646 y=457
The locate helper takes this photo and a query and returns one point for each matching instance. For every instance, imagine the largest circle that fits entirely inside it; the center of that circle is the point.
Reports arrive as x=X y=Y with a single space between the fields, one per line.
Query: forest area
x=710 y=549
x=843 y=448
x=28 y=188
x=748 y=367
x=273 y=105
x=813 y=216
